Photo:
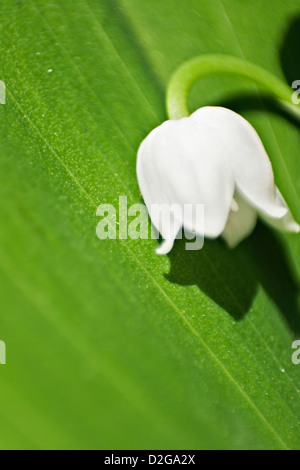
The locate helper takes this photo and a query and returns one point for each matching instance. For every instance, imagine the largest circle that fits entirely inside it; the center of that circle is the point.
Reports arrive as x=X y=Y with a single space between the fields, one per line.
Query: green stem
x=194 y=69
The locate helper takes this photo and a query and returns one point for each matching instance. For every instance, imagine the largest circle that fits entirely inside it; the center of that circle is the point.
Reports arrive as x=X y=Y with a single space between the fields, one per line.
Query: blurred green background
x=108 y=345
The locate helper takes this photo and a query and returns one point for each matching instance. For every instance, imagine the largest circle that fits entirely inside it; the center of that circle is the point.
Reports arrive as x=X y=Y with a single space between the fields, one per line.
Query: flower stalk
x=213 y=64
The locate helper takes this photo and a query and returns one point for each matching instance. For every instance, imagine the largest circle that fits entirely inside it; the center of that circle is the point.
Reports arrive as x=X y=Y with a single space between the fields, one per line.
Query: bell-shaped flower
x=213 y=157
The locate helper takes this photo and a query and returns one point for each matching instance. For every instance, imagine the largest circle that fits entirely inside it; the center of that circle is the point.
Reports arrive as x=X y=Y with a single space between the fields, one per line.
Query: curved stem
x=194 y=69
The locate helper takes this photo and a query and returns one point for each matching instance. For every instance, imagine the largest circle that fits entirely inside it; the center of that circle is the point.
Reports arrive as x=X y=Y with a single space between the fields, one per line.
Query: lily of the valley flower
x=213 y=157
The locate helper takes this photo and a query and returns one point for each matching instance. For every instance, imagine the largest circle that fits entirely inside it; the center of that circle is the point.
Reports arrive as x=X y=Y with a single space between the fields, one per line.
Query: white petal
x=240 y=223
x=182 y=163
x=250 y=163
x=165 y=247
x=285 y=223
x=169 y=223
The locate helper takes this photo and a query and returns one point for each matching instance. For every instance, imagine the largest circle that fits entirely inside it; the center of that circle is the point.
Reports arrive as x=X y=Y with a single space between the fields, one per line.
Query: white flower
x=213 y=157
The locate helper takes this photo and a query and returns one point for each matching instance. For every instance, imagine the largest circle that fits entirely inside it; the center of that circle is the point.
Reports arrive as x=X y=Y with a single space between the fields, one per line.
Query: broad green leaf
x=108 y=345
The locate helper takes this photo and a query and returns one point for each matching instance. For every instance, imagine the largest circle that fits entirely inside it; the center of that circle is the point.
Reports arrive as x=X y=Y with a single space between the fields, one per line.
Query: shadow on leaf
x=231 y=277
